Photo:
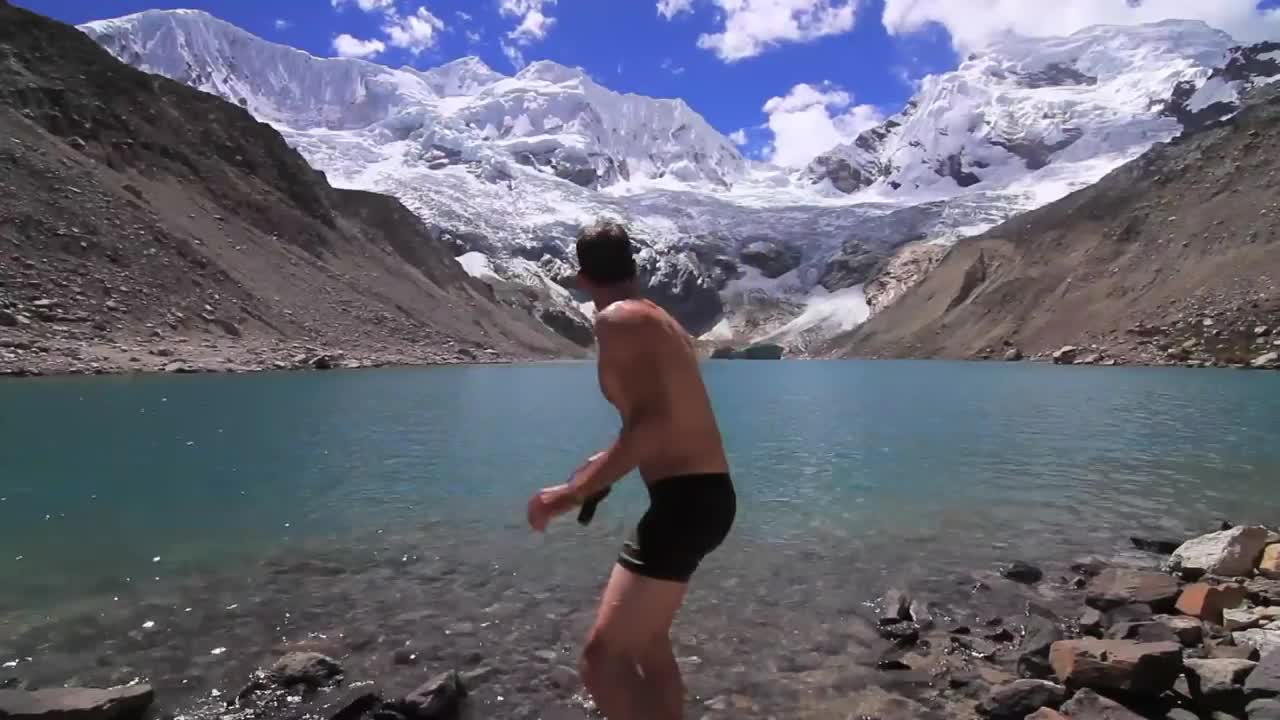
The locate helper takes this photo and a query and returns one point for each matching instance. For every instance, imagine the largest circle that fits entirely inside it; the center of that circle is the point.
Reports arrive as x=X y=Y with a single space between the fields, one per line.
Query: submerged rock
x=438 y=699
x=1228 y=553
x=305 y=668
x=1023 y=572
x=120 y=703
x=1016 y=700
x=1158 y=547
x=895 y=607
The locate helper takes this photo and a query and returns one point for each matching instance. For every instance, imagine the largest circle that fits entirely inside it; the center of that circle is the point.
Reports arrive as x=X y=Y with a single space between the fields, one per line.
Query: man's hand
x=549 y=503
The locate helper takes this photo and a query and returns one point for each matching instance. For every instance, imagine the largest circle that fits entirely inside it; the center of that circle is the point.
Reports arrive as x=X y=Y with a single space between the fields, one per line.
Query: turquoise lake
x=169 y=499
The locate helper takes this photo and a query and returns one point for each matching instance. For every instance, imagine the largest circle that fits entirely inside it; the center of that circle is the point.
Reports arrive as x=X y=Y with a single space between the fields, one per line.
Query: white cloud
x=811 y=120
x=671 y=67
x=514 y=55
x=351 y=47
x=464 y=17
x=671 y=8
x=973 y=23
x=282 y=24
x=366 y=5
x=753 y=26
x=739 y=137
x=534 y=24
x=474 y=36
x=415 y=32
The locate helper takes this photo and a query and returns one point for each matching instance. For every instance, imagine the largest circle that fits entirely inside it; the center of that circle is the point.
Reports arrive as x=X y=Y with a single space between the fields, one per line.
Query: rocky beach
x=1164 y=629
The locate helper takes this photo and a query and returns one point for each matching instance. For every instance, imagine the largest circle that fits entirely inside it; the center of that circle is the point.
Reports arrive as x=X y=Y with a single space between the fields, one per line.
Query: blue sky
x=787 y=75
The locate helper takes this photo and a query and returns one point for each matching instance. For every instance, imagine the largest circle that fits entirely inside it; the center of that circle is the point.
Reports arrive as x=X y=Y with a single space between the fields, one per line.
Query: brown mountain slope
x=1174 y=257
x=146 y=224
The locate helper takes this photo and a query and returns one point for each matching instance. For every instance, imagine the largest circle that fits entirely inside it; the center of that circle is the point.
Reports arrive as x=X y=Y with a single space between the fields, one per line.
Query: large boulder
x=1208 y=601
x=120 y=703
x=1265 y=640
x=1264 y=681
x=771 y=259
x=1089 y=705
x=1228 y=553
x=1122 y=586
x=1218 y=685
x=1016 y=700
x=1123 y=665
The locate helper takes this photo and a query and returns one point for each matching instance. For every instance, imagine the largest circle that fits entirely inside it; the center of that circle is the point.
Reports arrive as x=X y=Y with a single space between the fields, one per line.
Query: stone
x=1269 y=566
x=1124 y=665
x=1023 y=573
x=1159 y=547
x=1218 y=684
x=1208 y=601
x=920 y=615
x=1065 y=355
x=892 y=665
x=1221 y=651
x=1122 y=586
x=1266 y=360
x=1261 y=331
x=357 y=705
x=1013 y=355
x=1016 y=700
x=119 y=703
x=975 y=647
x=1033 y=652
x=1181 y=714
x=1264 y=682
x=1264 y=640
x=1248 y=618
x=8 y=319
x=1263 y=710
x=1089 y=705
x=1046 y=714
x=321 y=362
x=563 y=677
x=1263 y=591
x=902 y=634
x=1187 y=630
x=1090 y=622
x=895 y=607
x=1227 y=553
x=438 y=699
x=305 y=668
x=1147 y=632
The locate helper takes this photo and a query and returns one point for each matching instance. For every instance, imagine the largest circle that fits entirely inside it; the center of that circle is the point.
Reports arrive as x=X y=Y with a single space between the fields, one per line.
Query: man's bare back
x=648 y=370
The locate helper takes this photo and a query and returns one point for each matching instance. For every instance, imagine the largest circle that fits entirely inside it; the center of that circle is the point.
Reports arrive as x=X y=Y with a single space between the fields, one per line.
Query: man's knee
x=599 y=654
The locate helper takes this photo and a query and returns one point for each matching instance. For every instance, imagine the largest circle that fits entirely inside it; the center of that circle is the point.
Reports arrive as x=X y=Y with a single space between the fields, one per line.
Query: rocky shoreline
x=1191 y=630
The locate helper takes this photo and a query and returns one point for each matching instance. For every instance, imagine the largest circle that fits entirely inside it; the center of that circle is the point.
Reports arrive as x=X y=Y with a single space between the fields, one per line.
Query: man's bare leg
x=634 y=610
x=664 y=688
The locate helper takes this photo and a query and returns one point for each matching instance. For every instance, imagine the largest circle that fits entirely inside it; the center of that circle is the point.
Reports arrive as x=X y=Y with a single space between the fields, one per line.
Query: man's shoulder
x=628 y=315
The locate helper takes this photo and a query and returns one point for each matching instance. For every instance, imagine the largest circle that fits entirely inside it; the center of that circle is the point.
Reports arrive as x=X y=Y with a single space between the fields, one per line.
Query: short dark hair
x=605 y=253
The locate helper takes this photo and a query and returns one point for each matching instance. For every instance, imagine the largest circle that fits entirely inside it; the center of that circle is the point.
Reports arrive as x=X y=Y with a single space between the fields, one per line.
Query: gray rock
x=895 y=607
x=1264 y=682
x=1115 y=587
x=121 y=703
x=439 y=699
x=1091 y=622
x=1033 y=653
x=770 y=258
x=1263 y=710
x=1218 y=684
x=1228 y=553
x=1065 y=355
x=305 y=668
x=1023 y=572
x=1149 y=632
x=976 y=647
x=1266 y=360
x=8 y=319
x=1089 y=705
x=1265 y=640
x=1249 y=618
x=1013 y=355
x=1016 y=700
x=1181 y=714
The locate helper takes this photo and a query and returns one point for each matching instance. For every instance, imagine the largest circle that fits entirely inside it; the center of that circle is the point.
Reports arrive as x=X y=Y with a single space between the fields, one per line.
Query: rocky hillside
x=1172 y=258
x=147 y=225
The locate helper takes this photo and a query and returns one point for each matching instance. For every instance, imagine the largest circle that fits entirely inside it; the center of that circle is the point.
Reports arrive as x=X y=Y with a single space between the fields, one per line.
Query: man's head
x=605 y=259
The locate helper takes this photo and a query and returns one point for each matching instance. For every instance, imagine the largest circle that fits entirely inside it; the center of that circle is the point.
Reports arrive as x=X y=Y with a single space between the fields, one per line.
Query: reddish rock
x=1208 y=601
x=1270 y=564
x=1124 y=665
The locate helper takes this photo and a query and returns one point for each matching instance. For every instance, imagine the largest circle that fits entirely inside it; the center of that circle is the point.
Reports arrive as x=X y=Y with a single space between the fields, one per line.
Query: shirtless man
x=649 y=371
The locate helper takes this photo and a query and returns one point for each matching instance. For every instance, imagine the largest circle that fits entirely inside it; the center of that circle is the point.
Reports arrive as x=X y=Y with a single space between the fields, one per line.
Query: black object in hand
x=588 y=509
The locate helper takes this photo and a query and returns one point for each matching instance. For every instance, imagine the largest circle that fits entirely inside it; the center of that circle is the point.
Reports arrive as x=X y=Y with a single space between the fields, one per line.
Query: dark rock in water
x=1001 y=636
x=1023 y=573
x=1263 y=710
x=357 y=705
x=1121 y=586
x=1264 y=682
x=1089 y=705
x=120 y=703
x=321 y=362
x=1146 y=669
x=962 y=679
x=1218 y=684
x=920 y=615
x=902 y=634
x=1159 y=547
x=892 y=665
x=975 y=647
x=305 y=668
x=895 y=607
x=1016 y=700
x=439 y=699
x=1142 y=632
x=404 y=656
x=1088 y=569
x=995 y=622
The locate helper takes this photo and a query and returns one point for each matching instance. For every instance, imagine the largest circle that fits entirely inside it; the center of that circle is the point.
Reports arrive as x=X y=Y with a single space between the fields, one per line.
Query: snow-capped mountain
x=510 y=167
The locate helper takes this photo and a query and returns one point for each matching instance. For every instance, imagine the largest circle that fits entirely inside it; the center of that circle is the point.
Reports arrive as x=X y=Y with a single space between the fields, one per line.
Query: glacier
x=507 y=168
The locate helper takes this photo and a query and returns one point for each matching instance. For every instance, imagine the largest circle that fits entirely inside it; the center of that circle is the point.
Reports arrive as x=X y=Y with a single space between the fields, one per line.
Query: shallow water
x=385 y=508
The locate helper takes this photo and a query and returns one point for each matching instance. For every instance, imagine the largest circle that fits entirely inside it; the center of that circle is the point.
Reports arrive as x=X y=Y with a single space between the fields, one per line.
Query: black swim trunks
x=688 y=517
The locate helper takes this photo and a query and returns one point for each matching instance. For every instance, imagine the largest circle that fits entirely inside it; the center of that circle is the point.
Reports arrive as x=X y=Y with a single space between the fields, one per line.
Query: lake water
x=147 y=521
